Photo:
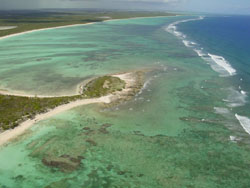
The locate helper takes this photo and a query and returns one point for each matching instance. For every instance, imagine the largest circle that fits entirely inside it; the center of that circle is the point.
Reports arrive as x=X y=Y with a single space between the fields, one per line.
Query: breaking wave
x=245 y=122
x=236 y=98
x=218 y=63
x=220 y=110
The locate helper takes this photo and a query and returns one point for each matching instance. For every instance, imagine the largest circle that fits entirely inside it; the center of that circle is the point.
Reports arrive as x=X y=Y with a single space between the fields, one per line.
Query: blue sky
x=213 y=6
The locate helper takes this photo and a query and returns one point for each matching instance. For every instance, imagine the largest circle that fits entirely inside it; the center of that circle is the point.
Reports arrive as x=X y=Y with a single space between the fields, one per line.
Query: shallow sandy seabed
x=129 y=78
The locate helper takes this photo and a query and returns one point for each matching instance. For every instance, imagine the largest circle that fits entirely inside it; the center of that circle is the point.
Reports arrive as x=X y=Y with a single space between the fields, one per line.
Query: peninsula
x=21 y=113
x=37 y=20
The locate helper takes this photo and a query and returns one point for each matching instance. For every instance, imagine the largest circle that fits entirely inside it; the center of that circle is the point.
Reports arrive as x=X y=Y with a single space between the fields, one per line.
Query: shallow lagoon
x=167 y=136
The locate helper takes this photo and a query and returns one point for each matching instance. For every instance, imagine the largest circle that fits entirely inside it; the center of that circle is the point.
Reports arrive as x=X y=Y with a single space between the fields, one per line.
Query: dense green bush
x=14 y=109
x=103 y=86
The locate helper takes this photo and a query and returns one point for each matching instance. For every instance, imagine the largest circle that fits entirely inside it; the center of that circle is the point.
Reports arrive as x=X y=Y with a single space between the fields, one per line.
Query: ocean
x=188 y=127
x=224 y=42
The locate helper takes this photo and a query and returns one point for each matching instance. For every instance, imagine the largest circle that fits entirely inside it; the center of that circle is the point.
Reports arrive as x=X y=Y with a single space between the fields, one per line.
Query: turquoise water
x=169 y=135
x=232 y=32
x=57 y=60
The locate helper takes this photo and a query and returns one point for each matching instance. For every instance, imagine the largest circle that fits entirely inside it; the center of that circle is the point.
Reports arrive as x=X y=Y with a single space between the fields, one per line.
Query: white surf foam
x=188 y=43
x=236 y=98
x=200 y=53
x=219 y=60
x=245 y=122
x=172 y=28
x=145 y=85
x=243 y=92
x=217 y=63
x=234 y=139
x=220 y=110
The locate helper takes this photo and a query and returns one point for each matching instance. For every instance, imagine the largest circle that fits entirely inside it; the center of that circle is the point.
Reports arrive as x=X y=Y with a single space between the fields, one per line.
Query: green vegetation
x=103 y=86
x=15 y=109
x=30 y=20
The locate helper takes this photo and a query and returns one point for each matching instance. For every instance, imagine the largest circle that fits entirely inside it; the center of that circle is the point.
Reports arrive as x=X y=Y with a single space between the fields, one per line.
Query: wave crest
x=245 y=122
x=217 y=63
x=221 y=62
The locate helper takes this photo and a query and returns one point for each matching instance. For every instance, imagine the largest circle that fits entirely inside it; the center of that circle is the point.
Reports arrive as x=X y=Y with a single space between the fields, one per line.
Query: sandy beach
x=19 y=94
x=7 y=27
x=13 y=133
x=79 y=86
x=22 y=94
x=73 y=25
x=129 y=79
x=34 y=30
x=78 y=91
x=6 y=136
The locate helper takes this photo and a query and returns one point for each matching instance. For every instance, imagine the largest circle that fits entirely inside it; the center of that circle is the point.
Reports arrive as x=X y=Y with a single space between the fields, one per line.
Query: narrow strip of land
x=13 y=133
x=132 y=85
x=34 y=30
x=71 y=25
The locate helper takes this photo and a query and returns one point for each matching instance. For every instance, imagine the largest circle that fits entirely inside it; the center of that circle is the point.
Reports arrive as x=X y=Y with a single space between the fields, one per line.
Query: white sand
x=79 y=87
x=34 y=30
x=22 y=94
x=19 y=94
x=73 y=25
x=128 y=78
x=7 y=27
x=8 y=135
x=78 y=91
x=13 y=133
x=125 y=76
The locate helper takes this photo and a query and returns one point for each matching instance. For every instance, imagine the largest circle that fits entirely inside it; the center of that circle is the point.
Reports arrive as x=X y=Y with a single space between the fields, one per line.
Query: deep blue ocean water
x=189 y=127
x=227 y=37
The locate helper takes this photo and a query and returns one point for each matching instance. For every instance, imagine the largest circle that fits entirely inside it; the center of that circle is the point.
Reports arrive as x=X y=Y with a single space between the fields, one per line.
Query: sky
x=210 y=6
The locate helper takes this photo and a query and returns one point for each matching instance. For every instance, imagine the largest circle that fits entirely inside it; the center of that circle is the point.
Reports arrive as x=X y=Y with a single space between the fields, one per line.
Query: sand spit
x=10 y=134
x=131 y=80
x=72 y=25
x=78 y=91
x=34 y=30
x=19 y=94
x=22 y=94
x=7 y=27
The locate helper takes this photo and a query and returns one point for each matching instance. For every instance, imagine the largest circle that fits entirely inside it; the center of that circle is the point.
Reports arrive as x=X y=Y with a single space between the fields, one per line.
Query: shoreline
x=79 y=86
x=3 y=28
x=72 y=25
x=8 y=135
x=43 y=29
x=16 y=94
x=78 y=91
x=129 y=78
x=20 y=94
